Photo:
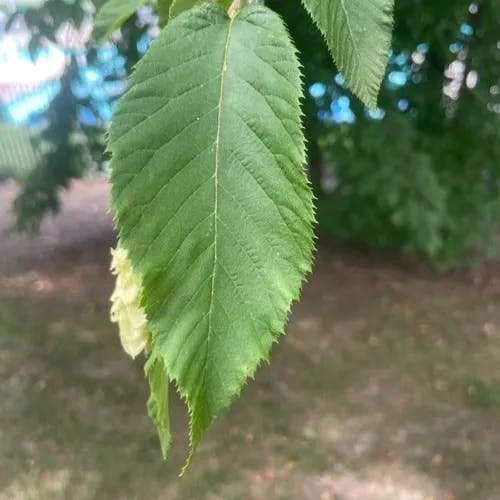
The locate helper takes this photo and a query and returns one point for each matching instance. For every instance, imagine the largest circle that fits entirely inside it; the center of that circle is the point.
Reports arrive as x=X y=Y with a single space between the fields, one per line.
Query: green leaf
x=179 y=6
x=358 y=33
x=211 y=198
x=158 y=401
x=112 y=15
x=163 y=8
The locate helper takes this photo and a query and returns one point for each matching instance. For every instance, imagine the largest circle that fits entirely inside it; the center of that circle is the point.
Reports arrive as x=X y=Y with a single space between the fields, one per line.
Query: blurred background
x=387 y=385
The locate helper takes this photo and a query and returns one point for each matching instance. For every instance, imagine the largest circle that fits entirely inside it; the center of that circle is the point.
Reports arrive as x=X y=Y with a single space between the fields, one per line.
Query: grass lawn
x=387 y=386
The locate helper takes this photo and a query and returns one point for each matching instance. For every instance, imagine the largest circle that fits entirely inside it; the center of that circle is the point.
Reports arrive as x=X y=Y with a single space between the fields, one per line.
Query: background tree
x=66 y=147
x=425 y=177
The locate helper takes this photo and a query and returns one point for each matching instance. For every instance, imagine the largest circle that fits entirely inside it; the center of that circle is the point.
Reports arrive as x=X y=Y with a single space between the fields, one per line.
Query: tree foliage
x=64 y=149
x=63 y=160
x=457 y=137
x=442 y=126
x=112 y=15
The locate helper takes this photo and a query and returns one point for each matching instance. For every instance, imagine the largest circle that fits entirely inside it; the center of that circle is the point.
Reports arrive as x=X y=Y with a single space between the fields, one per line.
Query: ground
x=386 y=386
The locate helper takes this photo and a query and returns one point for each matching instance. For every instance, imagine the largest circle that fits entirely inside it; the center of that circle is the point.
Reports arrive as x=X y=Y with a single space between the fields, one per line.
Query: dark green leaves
x=358 y=33
x=211 y=199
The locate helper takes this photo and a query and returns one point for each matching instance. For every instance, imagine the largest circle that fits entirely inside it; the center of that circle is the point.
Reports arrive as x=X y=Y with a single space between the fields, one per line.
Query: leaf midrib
x=351 y=34
x=216 y=190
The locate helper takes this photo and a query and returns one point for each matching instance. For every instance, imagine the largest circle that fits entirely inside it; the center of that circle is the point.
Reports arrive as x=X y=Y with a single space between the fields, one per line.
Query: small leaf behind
x=158 y=401
x=112 y=15
x=163 y=9
x=358 y=33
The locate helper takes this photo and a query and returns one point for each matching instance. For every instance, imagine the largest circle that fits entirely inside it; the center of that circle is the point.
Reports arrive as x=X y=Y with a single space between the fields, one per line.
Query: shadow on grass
x=386 y=387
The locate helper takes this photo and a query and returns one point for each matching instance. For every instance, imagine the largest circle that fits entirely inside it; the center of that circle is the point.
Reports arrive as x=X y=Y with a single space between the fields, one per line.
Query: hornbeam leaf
x=112 y=15
x=358 y=34
x=211 y=198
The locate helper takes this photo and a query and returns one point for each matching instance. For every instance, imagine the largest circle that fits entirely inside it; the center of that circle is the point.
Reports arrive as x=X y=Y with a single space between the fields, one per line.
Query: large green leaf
x=358 y=33
x=112 y=15
x=211 y=199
